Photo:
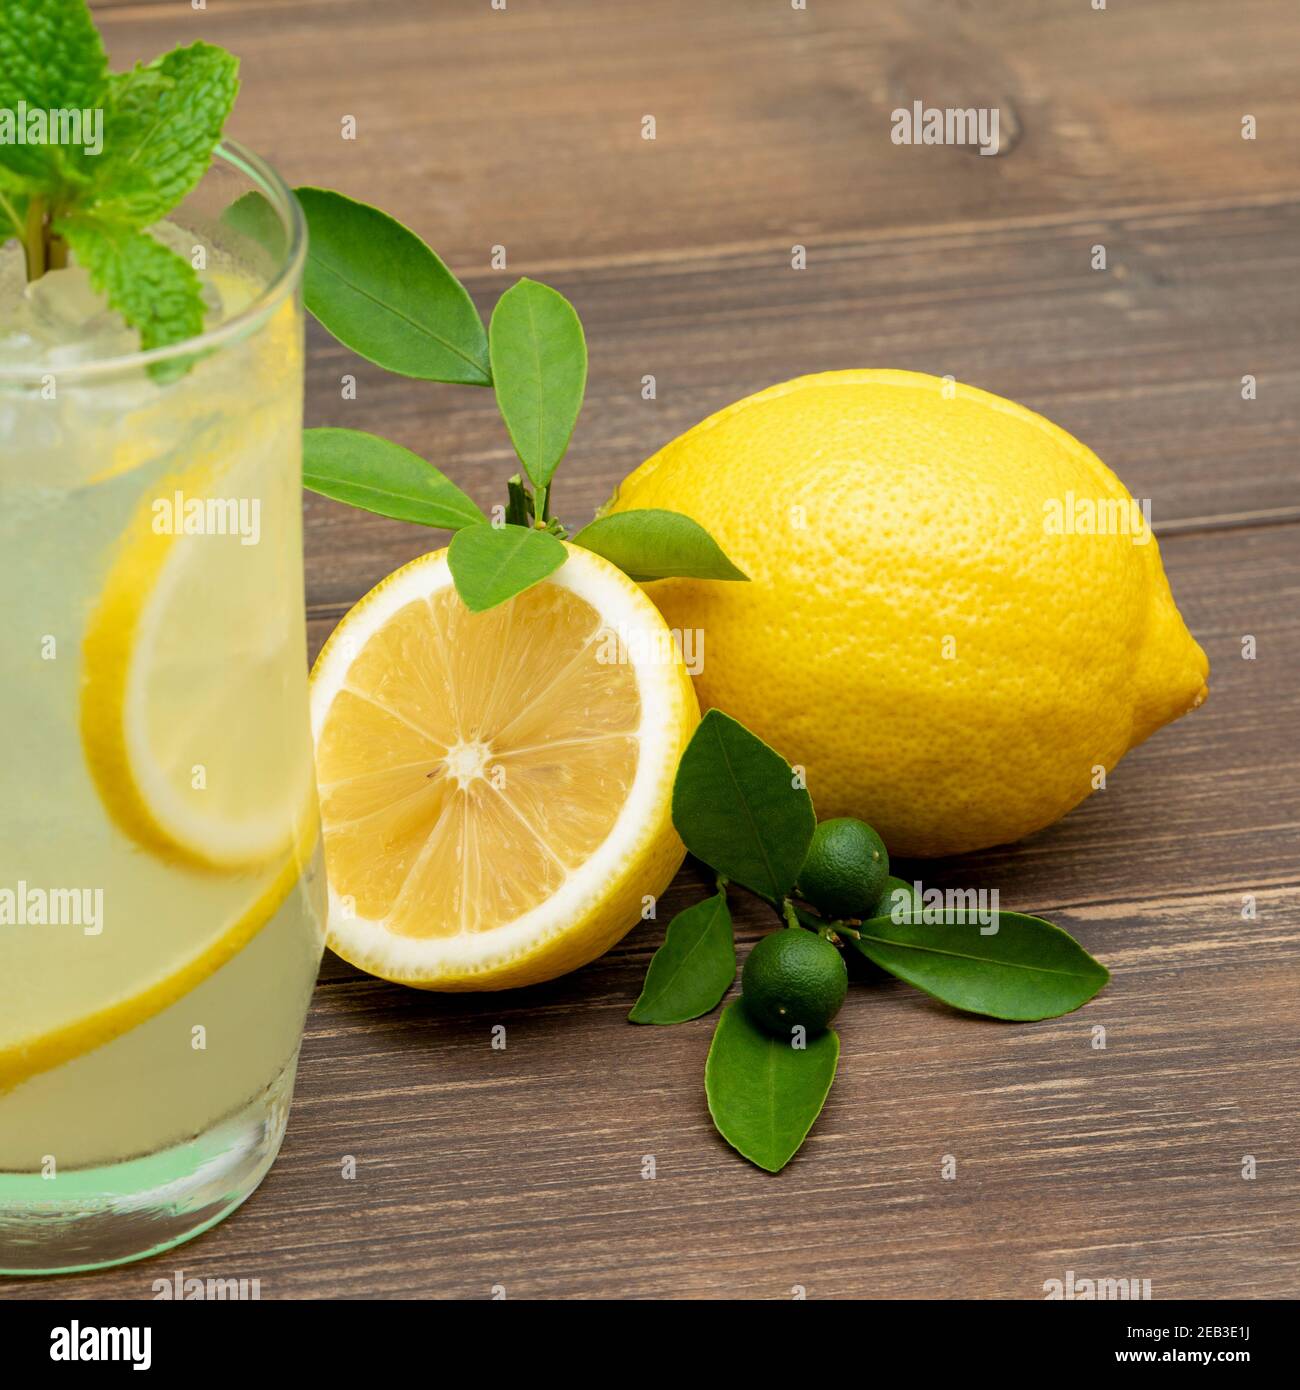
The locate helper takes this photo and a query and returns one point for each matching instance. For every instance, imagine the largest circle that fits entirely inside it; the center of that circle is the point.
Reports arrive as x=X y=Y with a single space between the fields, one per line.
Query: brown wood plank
x=1143 y=361
x=523 y=1167
x=523 y=127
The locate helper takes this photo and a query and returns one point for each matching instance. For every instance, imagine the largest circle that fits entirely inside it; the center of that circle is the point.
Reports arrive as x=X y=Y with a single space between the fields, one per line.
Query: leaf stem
x=34 y=239
x=519 y=507
x=15 y=221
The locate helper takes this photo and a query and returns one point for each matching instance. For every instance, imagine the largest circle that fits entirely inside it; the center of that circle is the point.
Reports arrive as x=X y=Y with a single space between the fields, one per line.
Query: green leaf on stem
x=1024 y=970
x=694 y=967
x=539 y=370
x=379 y=476
x=252 y=217
x=737 y=807
x=764 y=1092
x=385 y=294
x=656 y=544
x=491 y=564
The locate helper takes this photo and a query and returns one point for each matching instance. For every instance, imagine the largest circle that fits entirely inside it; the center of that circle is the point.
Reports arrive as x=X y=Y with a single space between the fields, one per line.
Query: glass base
x=87 y=1218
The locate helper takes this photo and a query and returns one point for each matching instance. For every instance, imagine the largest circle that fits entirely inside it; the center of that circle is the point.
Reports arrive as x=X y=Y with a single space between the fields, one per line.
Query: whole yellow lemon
x=956 y=614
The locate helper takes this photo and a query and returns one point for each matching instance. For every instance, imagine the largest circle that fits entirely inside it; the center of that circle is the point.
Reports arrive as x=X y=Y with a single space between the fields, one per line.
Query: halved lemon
x=191 y=673
x=496 y=787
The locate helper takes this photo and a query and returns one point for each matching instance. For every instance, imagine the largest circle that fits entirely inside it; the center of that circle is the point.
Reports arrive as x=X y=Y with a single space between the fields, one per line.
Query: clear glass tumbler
x=161 y=891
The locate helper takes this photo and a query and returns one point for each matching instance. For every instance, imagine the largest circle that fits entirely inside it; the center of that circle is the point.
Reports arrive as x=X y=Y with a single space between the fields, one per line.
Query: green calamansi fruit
x=845 y=869
x=794 y=978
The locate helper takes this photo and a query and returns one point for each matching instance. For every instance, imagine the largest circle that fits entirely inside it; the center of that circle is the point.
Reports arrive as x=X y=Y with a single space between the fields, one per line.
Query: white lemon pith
x=496 y=788
x=942 y=662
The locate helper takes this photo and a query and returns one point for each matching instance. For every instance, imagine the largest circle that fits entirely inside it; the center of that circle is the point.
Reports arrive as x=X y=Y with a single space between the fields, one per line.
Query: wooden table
x=523 y=1168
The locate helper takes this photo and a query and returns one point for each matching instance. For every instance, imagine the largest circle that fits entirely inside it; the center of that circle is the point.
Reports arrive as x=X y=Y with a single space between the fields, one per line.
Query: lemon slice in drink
x=496 y=787
x=189 y=674
x=181 y=960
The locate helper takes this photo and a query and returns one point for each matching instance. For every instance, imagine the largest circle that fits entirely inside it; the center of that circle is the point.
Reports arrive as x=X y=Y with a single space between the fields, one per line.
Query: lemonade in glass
x=161 y=895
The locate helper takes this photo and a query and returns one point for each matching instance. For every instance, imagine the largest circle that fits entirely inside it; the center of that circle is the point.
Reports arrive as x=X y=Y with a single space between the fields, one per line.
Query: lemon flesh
x=945 y=661
x=495 y=788
x=190 y=634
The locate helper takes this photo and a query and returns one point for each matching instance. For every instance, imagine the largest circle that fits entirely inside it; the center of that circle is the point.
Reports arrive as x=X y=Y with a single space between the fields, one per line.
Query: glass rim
x=288 y=271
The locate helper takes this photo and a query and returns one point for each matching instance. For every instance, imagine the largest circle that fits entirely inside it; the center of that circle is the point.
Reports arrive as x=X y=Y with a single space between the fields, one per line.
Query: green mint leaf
x=1028 y=969
x=539 y=371
x=379 y=476
x=51 y=58
x=51 y=55
x=736 y=806
x=491 y=564
x=161 y=126
x=694 y=967
x=383 y=293
x=154 y=289
x=764 y=1093
x=657 y=544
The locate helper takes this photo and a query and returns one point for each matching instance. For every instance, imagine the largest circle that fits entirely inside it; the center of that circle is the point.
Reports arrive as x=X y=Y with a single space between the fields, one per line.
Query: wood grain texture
x=523 y=127
x=1124 y=359
x=523 y=1167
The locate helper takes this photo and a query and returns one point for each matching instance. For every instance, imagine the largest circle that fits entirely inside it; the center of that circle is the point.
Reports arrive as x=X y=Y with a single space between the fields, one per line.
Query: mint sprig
x=380 y=290
x=51 y=59
x=154 y=289
x=739 y=807
x=161 y=125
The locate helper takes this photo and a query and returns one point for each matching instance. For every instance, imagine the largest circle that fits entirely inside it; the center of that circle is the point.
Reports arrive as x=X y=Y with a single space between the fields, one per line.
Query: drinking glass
x=161 y=890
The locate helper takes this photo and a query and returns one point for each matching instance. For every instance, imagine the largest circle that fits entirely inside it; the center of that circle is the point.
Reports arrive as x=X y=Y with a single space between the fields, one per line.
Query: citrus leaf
x=692 y=970
x=491 y=564
x=385 y=294
x=764 y=1093
x=656 y=544
x=252 y=216
x=736 y=806
x=539 y=371
x=1028 y=969
x=379 y=476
